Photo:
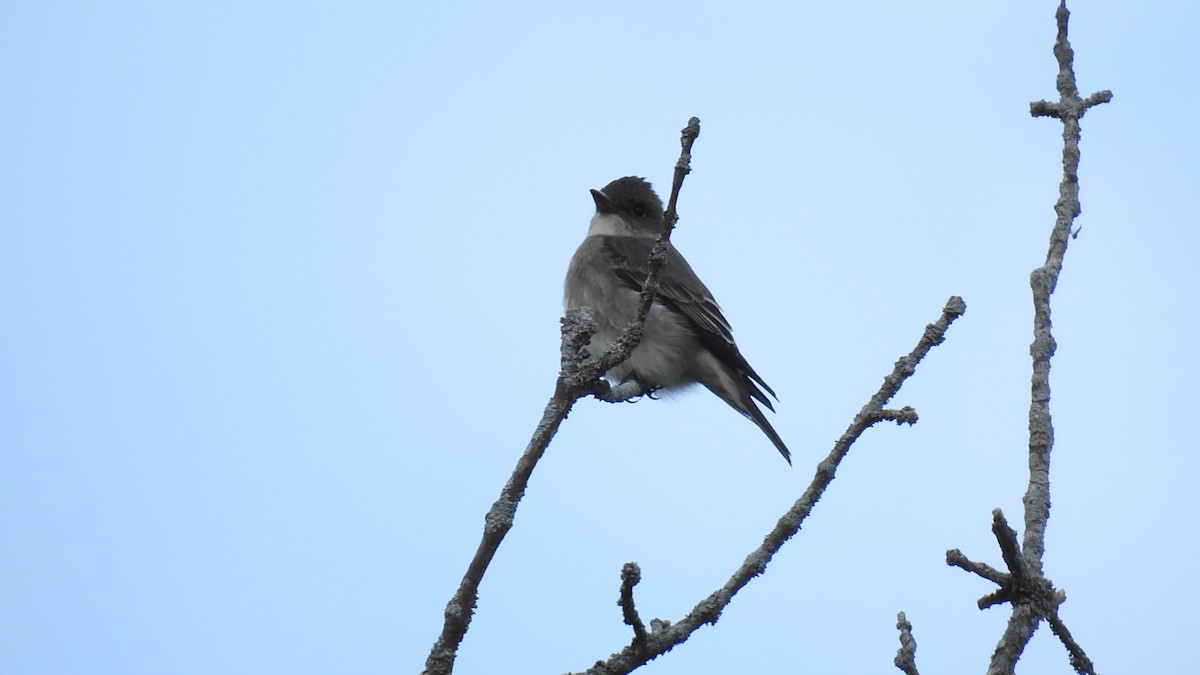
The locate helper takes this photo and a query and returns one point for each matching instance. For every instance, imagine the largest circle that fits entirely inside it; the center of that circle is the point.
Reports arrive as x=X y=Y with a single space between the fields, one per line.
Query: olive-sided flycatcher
x=686 y=340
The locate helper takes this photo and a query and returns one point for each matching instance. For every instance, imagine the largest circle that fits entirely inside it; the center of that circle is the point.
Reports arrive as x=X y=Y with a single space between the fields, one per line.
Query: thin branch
x=577 y=378
x=499 y=520
x=623 y=346
x=905 y=415
x=708 y=610
x=1032 y=596
x=906 y=656
x=1079 y=660
x=1043 y=280
x=955 y=558
x=631 y=574
x=1021 y=624
x=1069 y=108
x=1006 y=537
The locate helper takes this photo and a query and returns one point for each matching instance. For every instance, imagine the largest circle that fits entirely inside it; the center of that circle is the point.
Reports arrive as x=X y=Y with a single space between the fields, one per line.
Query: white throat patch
x=609 y=224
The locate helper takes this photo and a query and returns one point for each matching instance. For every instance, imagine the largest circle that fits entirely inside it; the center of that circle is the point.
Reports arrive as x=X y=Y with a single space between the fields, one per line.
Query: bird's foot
x=627 y=391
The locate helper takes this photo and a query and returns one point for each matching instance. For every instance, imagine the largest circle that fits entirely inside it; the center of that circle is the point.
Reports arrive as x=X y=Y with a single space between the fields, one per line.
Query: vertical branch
x=906 y=656
x=1070 y=109
x=1033 y=597
x=1025 y=586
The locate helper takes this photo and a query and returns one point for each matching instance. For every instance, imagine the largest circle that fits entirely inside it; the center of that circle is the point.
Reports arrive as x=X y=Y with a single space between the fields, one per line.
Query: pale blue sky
x=280 y=290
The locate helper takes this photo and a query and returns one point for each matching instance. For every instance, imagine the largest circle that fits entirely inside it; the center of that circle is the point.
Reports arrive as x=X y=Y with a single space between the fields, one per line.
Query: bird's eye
x=638 y=212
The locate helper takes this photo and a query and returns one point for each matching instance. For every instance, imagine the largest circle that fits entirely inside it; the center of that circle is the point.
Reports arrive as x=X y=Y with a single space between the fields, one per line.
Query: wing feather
x=681 y=290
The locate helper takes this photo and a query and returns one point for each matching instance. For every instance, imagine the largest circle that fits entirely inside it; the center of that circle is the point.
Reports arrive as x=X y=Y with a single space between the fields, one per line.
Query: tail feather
x=736 y=386
x=760 y=419
x=743 y=404
x=759 y=396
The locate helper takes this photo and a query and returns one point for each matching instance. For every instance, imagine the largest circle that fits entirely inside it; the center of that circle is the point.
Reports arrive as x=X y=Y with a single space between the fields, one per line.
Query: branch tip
x=906 y=656
x=631 y=574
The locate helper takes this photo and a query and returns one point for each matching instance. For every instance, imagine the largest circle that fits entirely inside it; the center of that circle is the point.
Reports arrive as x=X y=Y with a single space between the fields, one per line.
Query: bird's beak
x=603 y=203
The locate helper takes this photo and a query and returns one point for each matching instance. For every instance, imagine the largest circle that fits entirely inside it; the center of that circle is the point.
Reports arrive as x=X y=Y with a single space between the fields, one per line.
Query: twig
x=708 y=610
x=577 y=378
x=624 y=345
x=1079 y=660
x=955 y=558
x=906 y=656
x=631 y=574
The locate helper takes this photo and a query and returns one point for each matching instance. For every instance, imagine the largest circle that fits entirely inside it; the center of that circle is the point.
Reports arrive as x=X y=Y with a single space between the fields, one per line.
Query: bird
x=687 y=339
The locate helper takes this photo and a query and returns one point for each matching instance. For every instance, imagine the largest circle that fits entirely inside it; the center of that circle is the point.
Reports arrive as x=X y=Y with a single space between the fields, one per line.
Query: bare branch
x=1043 y=281
x=624 y=345
x=1031 y=594
x=499 y=518
x=1021 y=624
x=708 y=610
x=905 y=415
x=579 y=376
x=906 y=656
x=631 y=574
x=1006 y=537
x=1027 y=569
x=1079 y=660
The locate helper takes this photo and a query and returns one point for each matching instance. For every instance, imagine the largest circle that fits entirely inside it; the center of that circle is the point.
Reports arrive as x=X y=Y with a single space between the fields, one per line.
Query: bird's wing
x=681 y=290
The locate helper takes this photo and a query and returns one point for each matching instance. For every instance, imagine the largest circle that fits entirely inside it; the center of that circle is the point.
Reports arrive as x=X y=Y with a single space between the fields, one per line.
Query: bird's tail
x=741 y=402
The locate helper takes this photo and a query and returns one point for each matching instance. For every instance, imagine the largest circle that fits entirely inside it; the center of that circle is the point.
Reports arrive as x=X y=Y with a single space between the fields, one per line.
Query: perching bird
x=687 y=340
